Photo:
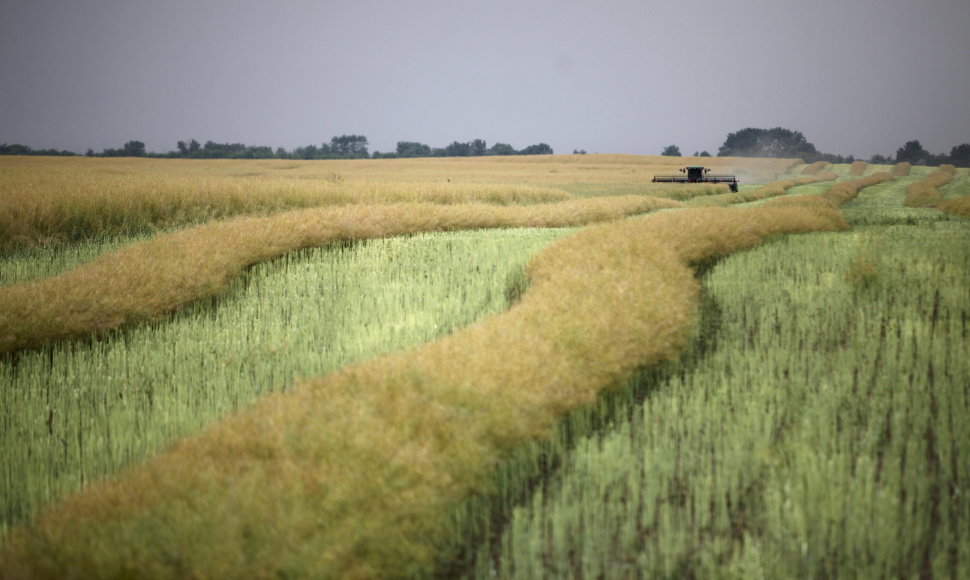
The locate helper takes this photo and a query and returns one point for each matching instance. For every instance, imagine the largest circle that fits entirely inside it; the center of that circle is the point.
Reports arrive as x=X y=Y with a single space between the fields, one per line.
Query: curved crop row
x=53 y=205
x=924 y=193
x=837 y=194
x=858 y=168
x=354 y=474
x=766 y=191
x=902 y=169
x=814 y=168
x=52 y=200
x=959 y=206
x=147 y=280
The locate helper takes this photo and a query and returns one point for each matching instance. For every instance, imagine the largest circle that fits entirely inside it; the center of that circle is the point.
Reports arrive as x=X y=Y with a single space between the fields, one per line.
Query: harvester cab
x=698 y=174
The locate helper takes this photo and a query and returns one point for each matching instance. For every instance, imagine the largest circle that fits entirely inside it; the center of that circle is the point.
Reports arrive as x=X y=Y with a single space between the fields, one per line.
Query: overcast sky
x=608 y=76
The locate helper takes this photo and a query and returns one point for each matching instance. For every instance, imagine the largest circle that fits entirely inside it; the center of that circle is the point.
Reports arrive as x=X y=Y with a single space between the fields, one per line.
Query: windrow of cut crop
x=902 y=169
x=836 y=195
x=815 y=168
x=924 y=193
x=355 y=474
x=858 y=168
x=959 y=206
x=150 y=279
x=773 y=189
x=51 y=204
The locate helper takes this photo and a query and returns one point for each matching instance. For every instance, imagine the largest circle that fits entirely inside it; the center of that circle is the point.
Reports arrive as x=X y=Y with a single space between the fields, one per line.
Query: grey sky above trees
x=857 y=77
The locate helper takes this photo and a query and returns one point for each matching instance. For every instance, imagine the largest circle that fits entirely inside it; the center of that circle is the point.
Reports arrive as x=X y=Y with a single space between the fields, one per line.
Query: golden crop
x=902 y=169
x=57 y=200
x=773 y=189
x=813 y=168
x=924 y=193
x=958 y=206
x=149 y=279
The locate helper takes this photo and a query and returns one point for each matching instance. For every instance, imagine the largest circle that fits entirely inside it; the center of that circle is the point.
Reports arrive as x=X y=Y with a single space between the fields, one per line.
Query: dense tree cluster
x=749 y=142
x=475 y=148
x=777 y=142
x=780 y=142
x=914 y=153
x=671 y=151
x=15 y=149
x=341 y=147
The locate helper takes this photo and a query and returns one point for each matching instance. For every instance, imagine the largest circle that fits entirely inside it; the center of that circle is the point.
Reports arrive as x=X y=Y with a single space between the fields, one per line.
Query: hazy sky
x=609 y=76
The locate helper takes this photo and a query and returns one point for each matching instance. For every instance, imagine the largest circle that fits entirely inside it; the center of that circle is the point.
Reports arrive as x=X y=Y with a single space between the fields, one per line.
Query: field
x=513 y=367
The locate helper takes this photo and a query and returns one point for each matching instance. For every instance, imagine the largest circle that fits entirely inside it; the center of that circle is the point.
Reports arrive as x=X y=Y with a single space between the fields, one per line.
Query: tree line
x=781 y=142
x=339 y=147
x=749 y=142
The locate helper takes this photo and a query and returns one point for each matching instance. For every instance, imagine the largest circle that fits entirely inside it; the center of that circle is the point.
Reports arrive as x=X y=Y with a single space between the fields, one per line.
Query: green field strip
x=76 y=412
x=825 y=435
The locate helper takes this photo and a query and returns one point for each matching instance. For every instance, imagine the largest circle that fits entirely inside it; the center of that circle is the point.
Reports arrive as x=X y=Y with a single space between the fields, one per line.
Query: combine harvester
x=698 y=174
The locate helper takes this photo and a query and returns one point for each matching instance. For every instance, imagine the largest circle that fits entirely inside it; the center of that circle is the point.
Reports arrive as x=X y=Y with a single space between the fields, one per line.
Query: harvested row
x=902 y=169
x=837 y=194
x=150 y=279
x=959 y=206
x=772 y=189
x=814 y=168
x=38 y=208
x=818 y=430
x=924 y=193
x=858 y=168
x=354 y=474
x=53 y=201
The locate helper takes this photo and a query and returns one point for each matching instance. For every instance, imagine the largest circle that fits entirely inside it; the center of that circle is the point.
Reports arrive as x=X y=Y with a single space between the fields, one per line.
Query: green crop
x=819 y=428
x=76 y=411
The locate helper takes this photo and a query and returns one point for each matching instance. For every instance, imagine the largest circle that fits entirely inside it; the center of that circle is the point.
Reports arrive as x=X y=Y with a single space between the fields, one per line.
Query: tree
x=15 y=149
x=308 y=152
x=777 y=142
x=912 y=152
x=413 y=149
x=134 y=149
x=538 y=149
x=502 y=149
x=477 y=147
x=349 y=146
x=960 y=155
x=671 y=151
x=456 y=149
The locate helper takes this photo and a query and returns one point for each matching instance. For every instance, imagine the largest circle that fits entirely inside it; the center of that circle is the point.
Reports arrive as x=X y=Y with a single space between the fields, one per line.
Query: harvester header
x=698 y=174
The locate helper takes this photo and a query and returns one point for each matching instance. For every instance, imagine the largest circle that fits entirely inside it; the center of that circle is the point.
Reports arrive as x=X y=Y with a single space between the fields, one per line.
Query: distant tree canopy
x=671 y=151
x=750 y=142
x=412 y=149
x=474 y=148
x=502 y=149
x=15 y=149
x=777 y=142
x=960 y=155
x=913 y=152
x=538 y=149
x=349 y=146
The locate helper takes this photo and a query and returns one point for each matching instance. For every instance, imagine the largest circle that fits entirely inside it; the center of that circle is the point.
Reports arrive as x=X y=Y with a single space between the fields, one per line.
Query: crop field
x=522 y=367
